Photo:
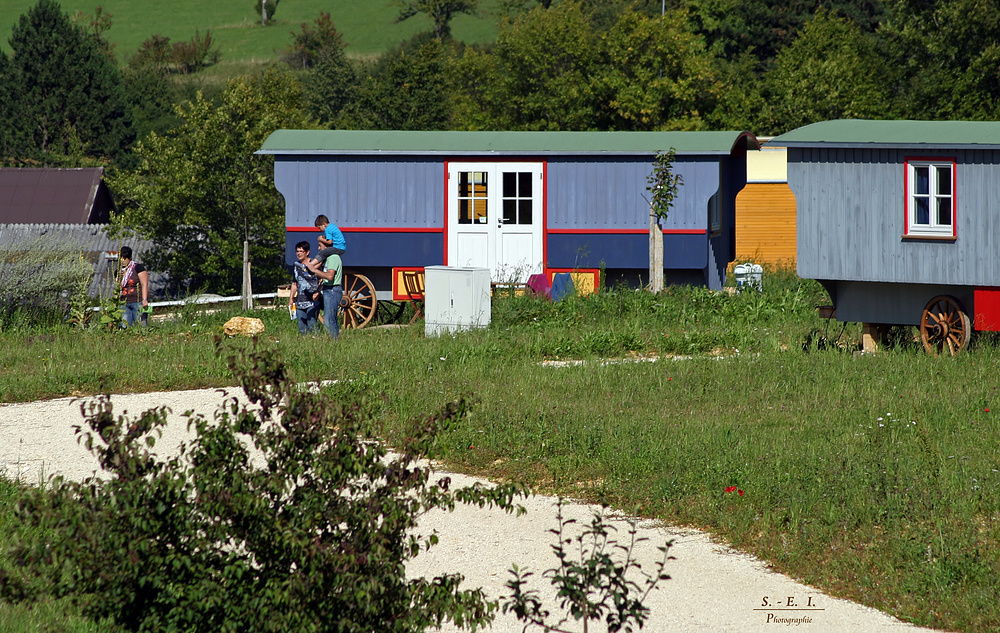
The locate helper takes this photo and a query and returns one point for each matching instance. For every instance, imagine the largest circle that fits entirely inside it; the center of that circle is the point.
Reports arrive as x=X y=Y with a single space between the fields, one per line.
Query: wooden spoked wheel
x=944 y=326
x=359 y=304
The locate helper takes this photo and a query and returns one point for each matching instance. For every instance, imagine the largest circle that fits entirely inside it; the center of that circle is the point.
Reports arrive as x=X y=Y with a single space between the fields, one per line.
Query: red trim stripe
x=423 y=229
x=447 y=193
x=628 y=231
x=545 y=213
x=370 y=229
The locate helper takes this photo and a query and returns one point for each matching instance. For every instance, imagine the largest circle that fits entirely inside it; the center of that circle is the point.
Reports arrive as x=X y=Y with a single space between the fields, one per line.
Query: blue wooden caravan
x=515 y=202
x=900 y=221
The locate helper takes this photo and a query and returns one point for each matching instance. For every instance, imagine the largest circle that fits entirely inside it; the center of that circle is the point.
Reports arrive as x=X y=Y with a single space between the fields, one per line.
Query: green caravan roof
x=341 y=142
x=894 y=134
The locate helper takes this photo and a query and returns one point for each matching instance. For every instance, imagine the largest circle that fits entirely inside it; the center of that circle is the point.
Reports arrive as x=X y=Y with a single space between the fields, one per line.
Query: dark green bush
x=287 y=515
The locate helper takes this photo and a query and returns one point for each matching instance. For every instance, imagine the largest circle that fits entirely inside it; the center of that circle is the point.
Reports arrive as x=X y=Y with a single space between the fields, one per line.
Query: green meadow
x=369 y=28
x=874 y=477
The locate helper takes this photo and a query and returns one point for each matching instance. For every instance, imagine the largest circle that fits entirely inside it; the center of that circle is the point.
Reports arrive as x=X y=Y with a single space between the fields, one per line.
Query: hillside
x=368 y=26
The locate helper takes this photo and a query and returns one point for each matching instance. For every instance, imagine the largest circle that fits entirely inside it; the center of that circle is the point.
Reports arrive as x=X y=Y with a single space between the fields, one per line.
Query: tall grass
x=874 y=477
x=38 y=279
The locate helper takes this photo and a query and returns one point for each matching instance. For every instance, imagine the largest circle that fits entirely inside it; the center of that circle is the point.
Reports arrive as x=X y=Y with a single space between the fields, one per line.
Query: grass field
x=368 y=27
x=873 y=477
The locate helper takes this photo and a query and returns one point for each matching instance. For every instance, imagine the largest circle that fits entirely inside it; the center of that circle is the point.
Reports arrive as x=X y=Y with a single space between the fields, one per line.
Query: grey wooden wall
x=851 y=218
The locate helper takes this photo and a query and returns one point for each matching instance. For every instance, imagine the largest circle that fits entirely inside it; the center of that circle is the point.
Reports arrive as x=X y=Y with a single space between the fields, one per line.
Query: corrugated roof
x=90 y=239
x=46 y=195
x=863 y=133
x=507 y=143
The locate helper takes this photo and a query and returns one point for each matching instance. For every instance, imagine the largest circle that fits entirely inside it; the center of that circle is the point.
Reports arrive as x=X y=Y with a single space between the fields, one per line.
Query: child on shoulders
x=331 y=242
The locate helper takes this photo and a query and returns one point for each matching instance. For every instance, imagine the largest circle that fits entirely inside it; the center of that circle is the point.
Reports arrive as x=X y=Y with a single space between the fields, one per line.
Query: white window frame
x=934 y=197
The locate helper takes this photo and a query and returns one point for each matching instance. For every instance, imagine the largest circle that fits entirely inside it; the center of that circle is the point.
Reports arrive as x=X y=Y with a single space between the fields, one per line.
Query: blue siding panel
x=628 y=250
x=362 y=193
x=379 y=248
x=611 y=194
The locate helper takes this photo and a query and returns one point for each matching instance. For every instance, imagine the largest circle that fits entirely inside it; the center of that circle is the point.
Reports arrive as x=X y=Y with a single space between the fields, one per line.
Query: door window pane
x=509 y=184
x=524 y=211
x=509 y=211
x=517 y=197
x=524 y=184
x=472 y=192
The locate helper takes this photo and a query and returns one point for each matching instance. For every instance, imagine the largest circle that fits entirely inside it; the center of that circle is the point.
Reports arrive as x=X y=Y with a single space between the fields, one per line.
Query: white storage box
x=456 y=298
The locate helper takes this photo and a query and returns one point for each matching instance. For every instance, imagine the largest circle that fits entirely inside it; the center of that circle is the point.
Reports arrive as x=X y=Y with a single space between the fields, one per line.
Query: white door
x=495 y=218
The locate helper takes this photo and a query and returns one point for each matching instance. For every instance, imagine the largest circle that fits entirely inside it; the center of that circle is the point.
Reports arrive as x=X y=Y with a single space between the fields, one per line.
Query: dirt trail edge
x=712 y=588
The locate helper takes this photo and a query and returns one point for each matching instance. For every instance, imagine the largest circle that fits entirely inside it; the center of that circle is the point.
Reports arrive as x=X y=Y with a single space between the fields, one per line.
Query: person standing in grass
x=135 y=283
x=304 y=293
x=332 y=278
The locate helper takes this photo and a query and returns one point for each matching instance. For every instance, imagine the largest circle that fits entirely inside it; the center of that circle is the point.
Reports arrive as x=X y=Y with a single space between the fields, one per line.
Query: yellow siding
x=765 y=224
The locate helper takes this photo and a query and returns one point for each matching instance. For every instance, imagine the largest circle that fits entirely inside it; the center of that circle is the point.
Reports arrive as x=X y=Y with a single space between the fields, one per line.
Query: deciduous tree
x=657 y=74
x=440 y=12
x=947 y=53
x=406 y=90
x=313 y=42
x=539 y=76
x=199 y=190
x=831 y=71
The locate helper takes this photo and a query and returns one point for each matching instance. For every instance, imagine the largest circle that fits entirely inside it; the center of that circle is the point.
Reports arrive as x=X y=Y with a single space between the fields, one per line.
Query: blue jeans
x=307 y=319
x=331 y=306
x=131 y=313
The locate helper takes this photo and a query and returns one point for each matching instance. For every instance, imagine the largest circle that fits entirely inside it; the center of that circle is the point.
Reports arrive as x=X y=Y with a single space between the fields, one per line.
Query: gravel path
x=712 y=588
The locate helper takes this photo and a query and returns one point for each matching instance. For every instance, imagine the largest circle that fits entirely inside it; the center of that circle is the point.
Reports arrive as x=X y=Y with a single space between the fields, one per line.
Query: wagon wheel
x=944 y=326
x=358 y=306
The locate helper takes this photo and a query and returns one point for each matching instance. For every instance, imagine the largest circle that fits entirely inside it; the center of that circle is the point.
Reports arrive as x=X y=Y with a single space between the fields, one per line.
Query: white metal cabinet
x=456 y=298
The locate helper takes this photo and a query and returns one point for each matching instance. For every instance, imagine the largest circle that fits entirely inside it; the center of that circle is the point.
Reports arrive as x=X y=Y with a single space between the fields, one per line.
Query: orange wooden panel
x=765 y=224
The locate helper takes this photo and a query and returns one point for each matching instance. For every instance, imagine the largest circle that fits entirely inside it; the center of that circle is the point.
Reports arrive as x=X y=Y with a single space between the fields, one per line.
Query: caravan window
x=930 y=198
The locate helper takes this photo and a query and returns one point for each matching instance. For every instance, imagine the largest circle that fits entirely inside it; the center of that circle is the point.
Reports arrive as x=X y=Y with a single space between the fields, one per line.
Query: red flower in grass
x=731 y=489
x=739 y=492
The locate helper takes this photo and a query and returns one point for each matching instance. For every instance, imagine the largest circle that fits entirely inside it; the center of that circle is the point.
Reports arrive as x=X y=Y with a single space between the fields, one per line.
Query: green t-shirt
x=333 y=263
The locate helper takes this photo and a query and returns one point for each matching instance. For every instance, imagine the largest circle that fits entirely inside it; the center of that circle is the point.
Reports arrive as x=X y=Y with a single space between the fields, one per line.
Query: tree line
x=181 y=162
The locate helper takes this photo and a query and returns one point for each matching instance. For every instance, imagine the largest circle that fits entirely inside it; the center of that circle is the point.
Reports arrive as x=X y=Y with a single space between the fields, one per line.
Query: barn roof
x=44 y=195
x=305 y=142
x=894 y=134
